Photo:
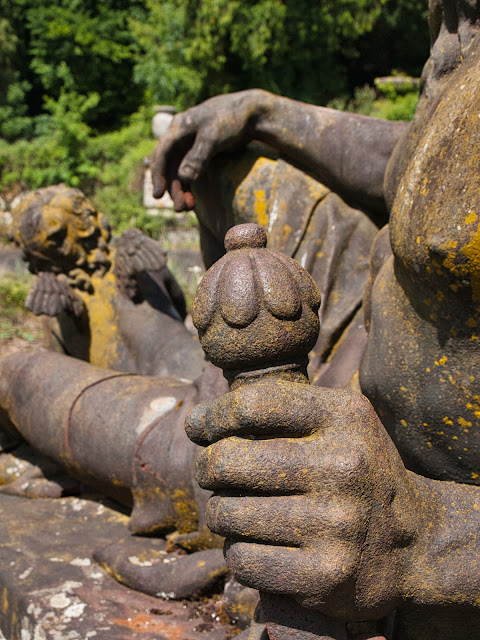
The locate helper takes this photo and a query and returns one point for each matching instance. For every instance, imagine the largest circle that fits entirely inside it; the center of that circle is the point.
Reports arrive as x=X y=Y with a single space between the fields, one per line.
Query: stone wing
x=50 y=296
x=136 y=253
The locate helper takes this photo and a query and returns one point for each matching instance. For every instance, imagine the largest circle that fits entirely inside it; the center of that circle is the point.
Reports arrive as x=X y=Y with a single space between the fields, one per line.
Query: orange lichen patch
x=260 y=207
x=185 y=510
x=472 y=252
x=472 y=266
x=286 y=231
x=472 y=217
x=103 y=320
x=144 y=622
x=464 y=423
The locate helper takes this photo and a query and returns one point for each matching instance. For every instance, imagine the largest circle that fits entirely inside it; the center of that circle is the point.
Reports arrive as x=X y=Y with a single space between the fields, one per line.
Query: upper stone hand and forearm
x=348 y=152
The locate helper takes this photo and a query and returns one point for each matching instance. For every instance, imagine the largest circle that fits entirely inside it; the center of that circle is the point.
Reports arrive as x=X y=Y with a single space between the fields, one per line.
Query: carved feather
x=135 y=254
x=50 y=296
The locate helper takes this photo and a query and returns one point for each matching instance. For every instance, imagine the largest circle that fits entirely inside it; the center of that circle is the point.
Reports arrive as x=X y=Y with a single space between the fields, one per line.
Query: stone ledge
x=51 y=588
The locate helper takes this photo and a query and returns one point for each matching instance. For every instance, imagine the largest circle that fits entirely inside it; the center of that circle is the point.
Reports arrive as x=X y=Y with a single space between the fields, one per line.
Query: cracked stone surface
x=52 y=589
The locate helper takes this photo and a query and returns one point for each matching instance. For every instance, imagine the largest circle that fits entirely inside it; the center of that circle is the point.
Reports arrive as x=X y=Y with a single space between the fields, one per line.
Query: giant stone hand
x=196 y=136
x=325 y=513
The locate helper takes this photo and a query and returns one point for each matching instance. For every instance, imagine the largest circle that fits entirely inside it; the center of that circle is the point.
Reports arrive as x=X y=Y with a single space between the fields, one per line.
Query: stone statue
x=105 y=301
x=354 y=506
x=367 y=507
x=330 y=236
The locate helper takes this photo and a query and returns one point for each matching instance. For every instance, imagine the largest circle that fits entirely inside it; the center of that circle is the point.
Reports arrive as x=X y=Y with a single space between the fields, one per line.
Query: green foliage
x=118 y=157
x=72 y=73
x=14 y=121
x=398 y=40
x=58 y=152
x=163 y=68
x=183 y=51
x=193 y=50
x=77 y=46
x=401 y=108
x=9 y=330
x=65 y=150
x=13 y=291
x=398 y=102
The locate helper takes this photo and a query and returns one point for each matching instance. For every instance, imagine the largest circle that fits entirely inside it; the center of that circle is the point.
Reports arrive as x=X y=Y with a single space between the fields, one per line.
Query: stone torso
x=114 y=332
x=422 y=366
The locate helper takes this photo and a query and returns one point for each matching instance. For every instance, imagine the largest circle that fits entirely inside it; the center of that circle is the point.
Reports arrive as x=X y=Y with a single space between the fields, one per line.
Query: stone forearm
x=348 y=152
x=444 y=562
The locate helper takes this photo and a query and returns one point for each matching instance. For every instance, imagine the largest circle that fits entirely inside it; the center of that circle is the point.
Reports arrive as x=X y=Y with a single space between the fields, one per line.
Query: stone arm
x=328 y=515
x=347 y=152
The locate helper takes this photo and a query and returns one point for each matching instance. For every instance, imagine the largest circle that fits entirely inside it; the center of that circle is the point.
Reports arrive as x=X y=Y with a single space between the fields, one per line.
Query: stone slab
x=51 y=588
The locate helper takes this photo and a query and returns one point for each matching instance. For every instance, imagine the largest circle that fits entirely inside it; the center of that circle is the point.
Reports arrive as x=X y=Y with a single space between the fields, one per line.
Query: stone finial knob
x=255 y=308
x=245 y=235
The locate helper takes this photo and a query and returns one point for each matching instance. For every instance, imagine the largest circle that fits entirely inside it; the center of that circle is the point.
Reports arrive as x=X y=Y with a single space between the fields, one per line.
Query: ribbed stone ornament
x=255 y=308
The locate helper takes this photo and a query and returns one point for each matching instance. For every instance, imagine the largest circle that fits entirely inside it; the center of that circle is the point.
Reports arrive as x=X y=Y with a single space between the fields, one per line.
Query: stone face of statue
x=59 y=230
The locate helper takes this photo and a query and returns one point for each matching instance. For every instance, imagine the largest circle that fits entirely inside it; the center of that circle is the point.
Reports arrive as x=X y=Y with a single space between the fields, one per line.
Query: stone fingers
x=312 y=574
x=283 y=466
x=208 y=141
x=293 y=521
x=166 y=158
x=272 y=408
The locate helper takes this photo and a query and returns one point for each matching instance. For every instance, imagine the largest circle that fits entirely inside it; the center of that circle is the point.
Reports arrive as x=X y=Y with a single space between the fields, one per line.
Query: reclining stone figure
x=106 y=301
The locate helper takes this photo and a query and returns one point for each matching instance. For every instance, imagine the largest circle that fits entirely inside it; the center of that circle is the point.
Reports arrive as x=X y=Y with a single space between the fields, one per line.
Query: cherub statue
x=116 y=426
x=107 y=301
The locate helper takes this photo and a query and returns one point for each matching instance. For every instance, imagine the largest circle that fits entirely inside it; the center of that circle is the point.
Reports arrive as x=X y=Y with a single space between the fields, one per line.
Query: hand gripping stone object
x=256 y=311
